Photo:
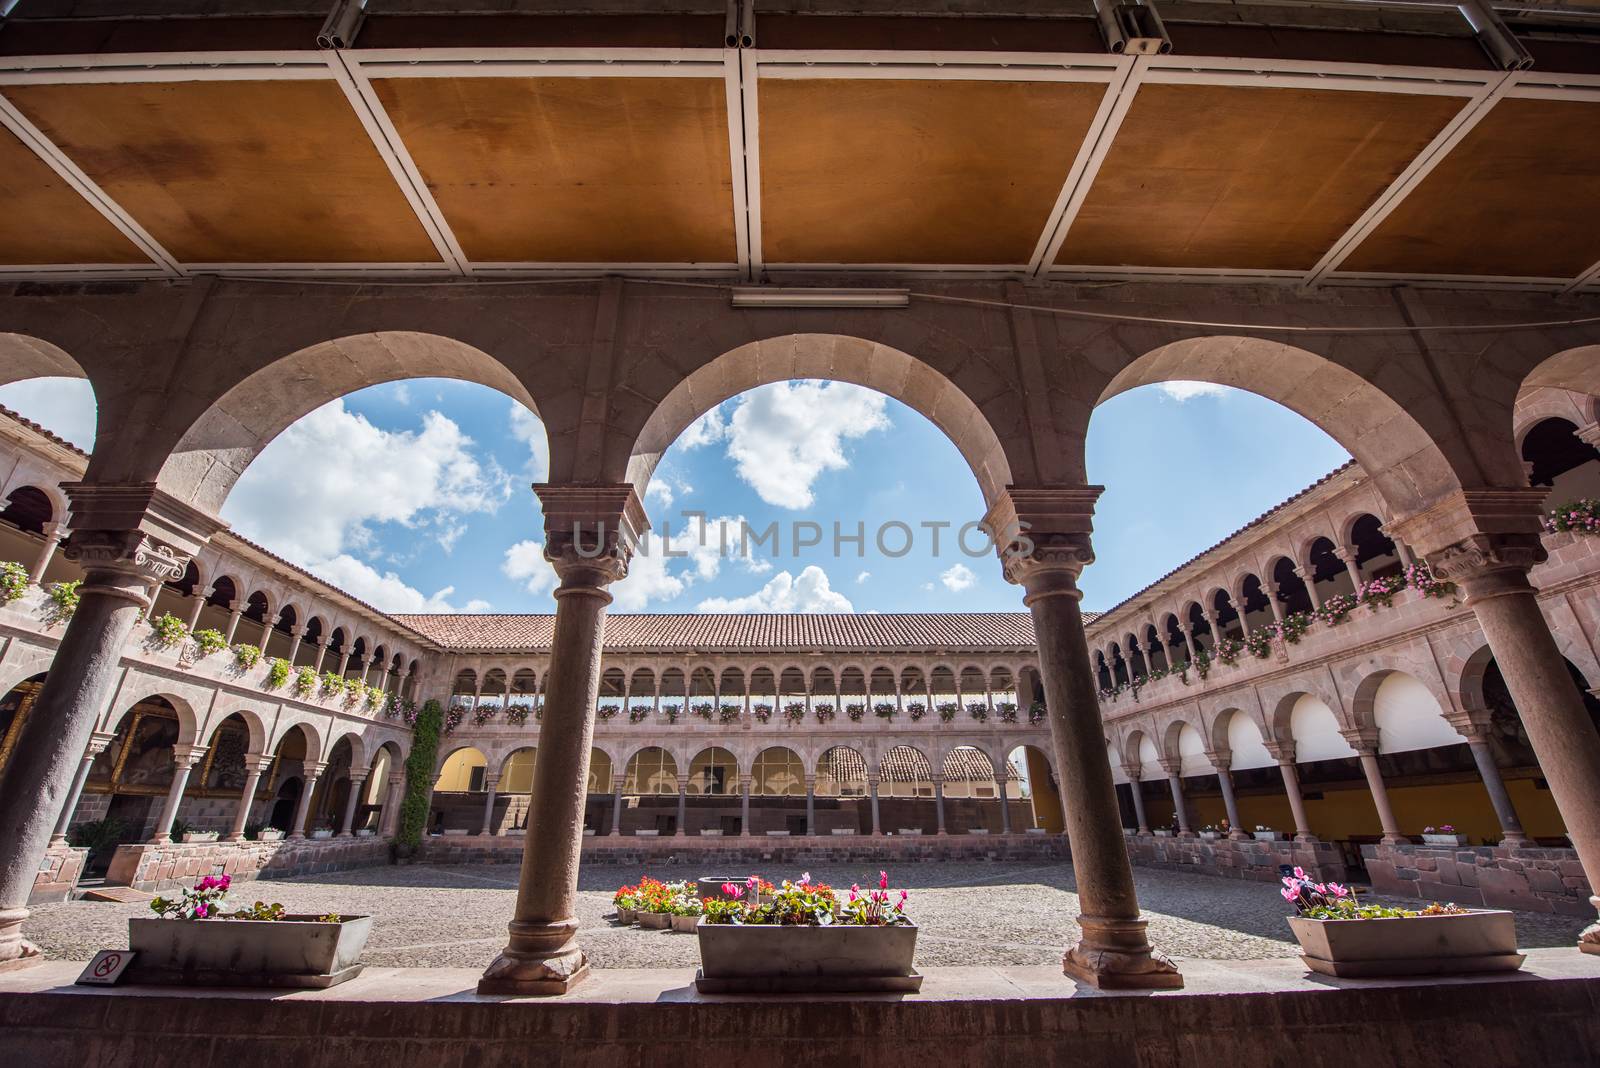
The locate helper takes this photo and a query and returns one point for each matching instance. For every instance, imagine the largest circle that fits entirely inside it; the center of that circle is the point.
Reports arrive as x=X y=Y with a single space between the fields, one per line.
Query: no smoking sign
x=107 y=967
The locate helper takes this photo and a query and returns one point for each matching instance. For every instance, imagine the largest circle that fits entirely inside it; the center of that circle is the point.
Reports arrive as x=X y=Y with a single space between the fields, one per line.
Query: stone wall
x=58 y=874
x=1249 y=859
x=794 y=850
x=1532 y=880
x=150 y=867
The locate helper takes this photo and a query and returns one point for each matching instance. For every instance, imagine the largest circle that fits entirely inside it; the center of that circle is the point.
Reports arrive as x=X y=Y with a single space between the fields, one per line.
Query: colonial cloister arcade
x=1400 y=253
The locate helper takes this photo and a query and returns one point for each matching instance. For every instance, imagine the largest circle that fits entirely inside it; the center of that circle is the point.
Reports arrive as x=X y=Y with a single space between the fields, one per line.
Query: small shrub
x=207 y=642
x=246 y=656
x=13 y=581
x=63 y=601
x=277 y=672
x=332 y=683
x=169 y=630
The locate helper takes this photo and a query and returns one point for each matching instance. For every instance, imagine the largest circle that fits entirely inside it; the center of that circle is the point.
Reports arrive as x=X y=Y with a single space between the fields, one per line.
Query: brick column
x=590 y=531
x=184 y=758
x=254 y=765
x=97 y=745
x=1043 y=536
x=128 y=538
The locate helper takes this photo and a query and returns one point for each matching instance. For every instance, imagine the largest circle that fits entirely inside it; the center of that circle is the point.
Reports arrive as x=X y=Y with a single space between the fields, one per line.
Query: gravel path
x=986 y=913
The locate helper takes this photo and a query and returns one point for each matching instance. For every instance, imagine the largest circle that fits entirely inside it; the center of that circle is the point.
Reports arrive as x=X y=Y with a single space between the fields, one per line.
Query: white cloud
x=386 y=591
x=525 y=563
x=400 y=393
x=863 y=577
x=63 y=406
x=526 y=428
x=786 y=593
x=959 y=577
x=658 y=490
x=697 y=556
x=705 y=430
x=313 y=491
x=783 y=436
x=1181 y=391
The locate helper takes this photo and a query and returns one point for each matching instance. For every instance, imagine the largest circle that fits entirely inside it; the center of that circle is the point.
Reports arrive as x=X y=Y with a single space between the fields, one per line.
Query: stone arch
x=253 y=723
x=358 y=748
x=1411 y=464
x=841 y=771
x=1237 y=733
x=188 y=721
x=713 y=770
x=1575 y=369
x=214 y=450
x=308 y=731
x=836 y=358
x=1374 y=705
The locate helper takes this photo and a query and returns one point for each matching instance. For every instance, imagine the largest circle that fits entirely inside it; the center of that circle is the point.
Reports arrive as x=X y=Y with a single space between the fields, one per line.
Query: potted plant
x=626 y=900
x=806 y=940
x=686 y=909
x=1443 y=835
x=1267 y=834
x=655 y=899
x=1210 y=833
x=1339 y=936
x=196 y=941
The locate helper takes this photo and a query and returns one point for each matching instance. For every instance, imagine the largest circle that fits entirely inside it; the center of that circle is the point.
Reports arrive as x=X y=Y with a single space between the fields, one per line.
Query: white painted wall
x=1150 y=759
x=1408 y=717
x=1192 y=753
x=1315 y=730
x=1249 y=749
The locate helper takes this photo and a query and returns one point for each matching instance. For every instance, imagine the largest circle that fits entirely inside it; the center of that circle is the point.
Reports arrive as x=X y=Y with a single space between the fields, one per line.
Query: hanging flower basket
x=1575 y=517
x=762 y=713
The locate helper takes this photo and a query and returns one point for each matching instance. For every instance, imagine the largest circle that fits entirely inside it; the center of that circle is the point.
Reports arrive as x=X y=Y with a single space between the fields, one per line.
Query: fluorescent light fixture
x=801 y=297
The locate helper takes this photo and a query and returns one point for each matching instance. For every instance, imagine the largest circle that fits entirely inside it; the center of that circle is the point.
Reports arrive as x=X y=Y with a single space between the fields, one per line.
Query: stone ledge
x=626 y=849
x=1529 y=880
x=1244 y=1012
x=1251 y=860
x=152 y=867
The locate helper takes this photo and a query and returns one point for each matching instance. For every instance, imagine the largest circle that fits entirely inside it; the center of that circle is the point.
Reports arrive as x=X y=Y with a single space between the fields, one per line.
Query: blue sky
x=414 y=496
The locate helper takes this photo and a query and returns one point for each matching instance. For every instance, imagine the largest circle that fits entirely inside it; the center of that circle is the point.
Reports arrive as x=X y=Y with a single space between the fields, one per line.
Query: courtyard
x=436 y=916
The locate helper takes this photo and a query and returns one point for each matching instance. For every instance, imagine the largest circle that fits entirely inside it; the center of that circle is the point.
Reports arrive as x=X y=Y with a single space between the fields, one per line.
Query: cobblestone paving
x=985 y=913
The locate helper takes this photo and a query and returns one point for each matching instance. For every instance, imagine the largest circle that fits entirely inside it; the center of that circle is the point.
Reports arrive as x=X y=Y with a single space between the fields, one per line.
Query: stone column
x=489 y=784
x=1284 y=754
x=1473 y=725
x=744 y=806
x=235 y=613
x=872 y=785
x=1175 y=784
x=1044 y=539
x=1222 y=761
x=1350 y=565
x=97 y=745
x=199 y=602
x=127 y=538
x=1364 y=740
x=184 y=758
x=266 y=629
x=1400 y=548
x=53 y=533
x=358 y=779
x=1136 y=788
x=590 y=531
x=683 y=806
x=322 y=651
x=617 y=782
x=938 y=802
x=1308 y=576
x=811 y=805
x=313 y=772
x=296 y=632
x=1188 y=640
x=1005 y=803
x=254 y=765
x=393 y=801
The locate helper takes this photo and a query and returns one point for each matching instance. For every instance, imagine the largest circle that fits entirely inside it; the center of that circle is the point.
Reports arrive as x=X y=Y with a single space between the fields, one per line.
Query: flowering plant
x=824 y=712
x=1294 y=626
x=1007 y=711
x=804 y=903
x=1336 y=609
x=483 y=714
x=517 y=714
x=672 y=712
x=204 y=901
x=246 y=656
x=169 y=630
x=453 y=717
x=1258 y=643
x=703 y=709
x=1574 y=517
x=13 y=581
x=762 y=713
x=856 y=711
x=332 y=683
x=1330 y=901
x=885 y=710
x=1379 y=593
x=1443 y=828
x=63 y=601
x=947 y=711
x=728 y=714
x=916 y=710
x=978 y=711
x=638 y=713
x=794 y=711
x=209 y=641
x=277 y=672
x=1420 y=577
x=1228 y=650
x=1037 y=713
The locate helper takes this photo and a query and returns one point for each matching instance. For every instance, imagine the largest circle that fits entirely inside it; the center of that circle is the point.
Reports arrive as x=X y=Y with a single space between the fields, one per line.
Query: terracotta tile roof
x=876 y=632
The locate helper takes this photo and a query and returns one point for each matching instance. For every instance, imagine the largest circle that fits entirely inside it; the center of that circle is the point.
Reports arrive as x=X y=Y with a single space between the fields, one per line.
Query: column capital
x=187 y=756
x=618 y=782
x=1134 y=772
x=874 y=780
x=99 y=741
x=313 y=770
x=1171 y=767
x=1589 y=434
x=489 y=781
x=359 y=775
x=134 y=529
x=397 y=778
x=1344 y=554
x=1042 y=534
x=1221 y=758
x=591 y=530
x=1471 y=723
x=297 y=630
x=1301 y=572
x=1478 y=530
x=257 y=762
x=1364 y=740
x=1282 y=751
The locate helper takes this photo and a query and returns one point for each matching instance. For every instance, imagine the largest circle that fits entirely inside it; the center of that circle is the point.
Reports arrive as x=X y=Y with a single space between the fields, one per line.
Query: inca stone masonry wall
x=1532 y=880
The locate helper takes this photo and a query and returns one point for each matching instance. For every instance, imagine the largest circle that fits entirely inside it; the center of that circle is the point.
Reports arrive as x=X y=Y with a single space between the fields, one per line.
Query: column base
x=232 y=837
x=540 y=960
x=1395 y=840
x=1239 y=836
x=1307 y=839
x=1113 y=955
x=1187 y=834
x=57 y=841
x=1588 y=941
x=15 y=951
x=1516 y=841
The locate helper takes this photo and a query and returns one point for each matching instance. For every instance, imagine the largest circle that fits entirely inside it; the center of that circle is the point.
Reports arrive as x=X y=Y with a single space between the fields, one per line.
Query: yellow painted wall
x=1046 y=801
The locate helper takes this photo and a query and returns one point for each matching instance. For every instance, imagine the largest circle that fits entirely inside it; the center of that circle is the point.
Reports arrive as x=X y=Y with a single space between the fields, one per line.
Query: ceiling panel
x=235 y=171
x=934 y=172
x=573 y=170
x=44 y=220
x=1519 y=196
x=1255 y=178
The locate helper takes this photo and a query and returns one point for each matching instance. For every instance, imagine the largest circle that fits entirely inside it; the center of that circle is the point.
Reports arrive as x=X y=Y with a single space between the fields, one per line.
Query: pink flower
x=883 y=880
x=1299 y=873
x=1290 y=893
x=805 y=878
x=1337 y=891
x=200 y=912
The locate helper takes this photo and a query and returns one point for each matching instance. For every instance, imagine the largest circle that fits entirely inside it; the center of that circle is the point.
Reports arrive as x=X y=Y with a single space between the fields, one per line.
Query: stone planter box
x=647 y=834
x=455 y=832
x=1478 y=941
x=1041 y=830
x=777 y=834
x=199 y=836
x=323 y=836
x=1270 y=836
x=1445 y=839
x=365 y=833
x=977 y=830
x=805 y=960
x=711 y=886
x=269 y=834
x=626 y=916
x=297 y=951
x=841 y=832
x=909 y=832
x=654 y=920
x=684 y=924
x=710 y=834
